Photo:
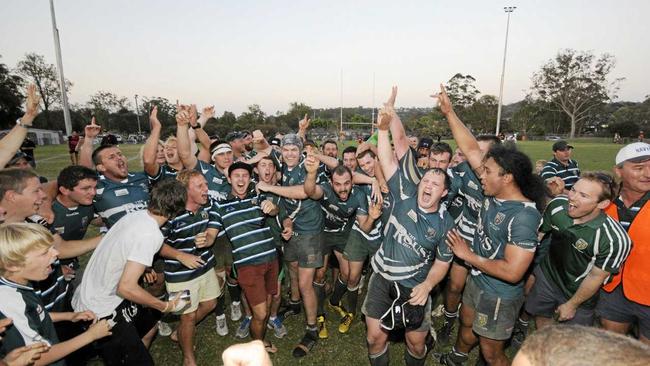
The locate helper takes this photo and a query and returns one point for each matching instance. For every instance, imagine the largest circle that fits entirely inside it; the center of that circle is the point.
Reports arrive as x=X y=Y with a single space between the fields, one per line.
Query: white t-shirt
x=135 y=237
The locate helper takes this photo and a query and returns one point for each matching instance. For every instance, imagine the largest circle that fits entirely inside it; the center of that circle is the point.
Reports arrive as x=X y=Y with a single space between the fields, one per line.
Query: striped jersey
x=31 y=321
x=413 y=238
x=626 y=215
x=245 y=226
x=54 y=288
x=180 y=234
x=115 y=199
x=569 y=173
x=373 y=238
x=576 y=248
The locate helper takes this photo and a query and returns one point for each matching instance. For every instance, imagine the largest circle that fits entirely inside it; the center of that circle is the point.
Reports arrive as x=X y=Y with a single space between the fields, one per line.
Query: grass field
x=348 y=349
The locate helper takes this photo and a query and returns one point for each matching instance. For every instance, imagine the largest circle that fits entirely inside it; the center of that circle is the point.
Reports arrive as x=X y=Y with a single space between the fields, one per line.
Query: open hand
x=153 y=118
x=31 y=106
x=25 y=355
x=87 y=316
x=458 y=245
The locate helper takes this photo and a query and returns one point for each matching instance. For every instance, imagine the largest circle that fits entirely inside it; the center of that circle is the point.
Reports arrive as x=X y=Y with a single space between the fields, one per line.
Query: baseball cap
x=275 y=141
x=234 y=135
x=635 y=152
x=240 y=165
x=425 y=142
x=561 y=145
x=292 y=139
x=19 y=155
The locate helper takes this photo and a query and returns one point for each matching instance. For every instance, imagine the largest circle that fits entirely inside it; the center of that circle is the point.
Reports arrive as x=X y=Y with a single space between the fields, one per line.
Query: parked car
x=553 y=138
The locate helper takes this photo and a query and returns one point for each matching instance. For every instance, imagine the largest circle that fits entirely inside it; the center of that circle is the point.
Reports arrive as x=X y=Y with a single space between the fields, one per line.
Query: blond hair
x=18 y=239
x=185 y=176
x=170 y=139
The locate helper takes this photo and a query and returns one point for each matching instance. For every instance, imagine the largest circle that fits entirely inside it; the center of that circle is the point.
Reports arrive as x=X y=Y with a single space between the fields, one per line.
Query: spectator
x=73 y=141
x=562 y=165
x=27 y=148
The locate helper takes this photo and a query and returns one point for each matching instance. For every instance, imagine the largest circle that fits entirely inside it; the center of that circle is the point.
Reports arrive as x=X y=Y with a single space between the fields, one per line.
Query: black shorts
x=378 y=301
x=124 y=346
x=614 y=306
x=545 y=297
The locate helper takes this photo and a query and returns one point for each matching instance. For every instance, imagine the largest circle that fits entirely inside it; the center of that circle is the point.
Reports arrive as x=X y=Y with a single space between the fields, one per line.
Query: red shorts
x=258 y=281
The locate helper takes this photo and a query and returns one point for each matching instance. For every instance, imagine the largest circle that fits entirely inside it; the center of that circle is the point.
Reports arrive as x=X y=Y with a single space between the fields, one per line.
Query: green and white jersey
x=374 y=237
x=245 y=226
x=52 y=290
x=463 y=195
x=115 y=199
x=164 y=171
x=576 y=248
x=31 y=321
x=180 y=233
x=468 y=198
x=413 y=238
x=306 y=214
x=503 y=223
x=218 y=185
x=275 y=222
x=340 y=215
x=71 y=223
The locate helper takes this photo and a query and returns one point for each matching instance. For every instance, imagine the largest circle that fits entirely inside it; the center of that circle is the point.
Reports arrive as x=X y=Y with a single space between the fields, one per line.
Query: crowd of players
x=479 y=228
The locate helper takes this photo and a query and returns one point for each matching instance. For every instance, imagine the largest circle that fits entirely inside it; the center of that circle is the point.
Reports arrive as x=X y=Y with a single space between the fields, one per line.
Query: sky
x=232 y=54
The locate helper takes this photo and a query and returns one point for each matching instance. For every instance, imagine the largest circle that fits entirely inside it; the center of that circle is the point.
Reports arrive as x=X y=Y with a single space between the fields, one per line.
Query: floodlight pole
x=137 y=114
x=508 y=10
x=59 y=63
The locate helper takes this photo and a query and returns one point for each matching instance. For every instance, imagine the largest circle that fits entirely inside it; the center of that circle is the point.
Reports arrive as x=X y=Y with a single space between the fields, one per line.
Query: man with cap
x=303 y=251
x=242 y=216
x=562 y=166
x=275 y=144
x=626 y=300
x=236 y=141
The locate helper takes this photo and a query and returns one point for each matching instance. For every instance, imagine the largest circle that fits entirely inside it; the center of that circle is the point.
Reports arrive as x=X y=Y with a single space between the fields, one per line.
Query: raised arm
x=303 y=125
x=86 y=152
x=400 y=141
x=387 y=159
x=151 y=167
x=197 y=128
x=182 y=137
x=463 y=136
x=312 y=190
x=12 y=141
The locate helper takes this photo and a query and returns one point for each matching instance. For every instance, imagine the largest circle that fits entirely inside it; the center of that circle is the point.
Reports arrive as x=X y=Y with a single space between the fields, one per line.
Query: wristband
x=20 y=123
x=198 y=126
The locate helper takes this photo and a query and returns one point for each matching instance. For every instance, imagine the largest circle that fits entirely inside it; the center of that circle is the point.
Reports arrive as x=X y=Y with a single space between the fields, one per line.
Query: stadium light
x=508 y=10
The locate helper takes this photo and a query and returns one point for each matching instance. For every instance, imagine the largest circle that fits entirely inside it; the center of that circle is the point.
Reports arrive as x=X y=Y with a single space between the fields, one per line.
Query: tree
x=34 y=68
x=252 y=118
x=575 y=83
x=10 y=96
x=461 y=90
x=103 y=104
x=482 y=114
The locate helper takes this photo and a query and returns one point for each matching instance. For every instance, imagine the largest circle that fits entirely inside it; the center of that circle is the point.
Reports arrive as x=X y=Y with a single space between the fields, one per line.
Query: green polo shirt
x=576 y=248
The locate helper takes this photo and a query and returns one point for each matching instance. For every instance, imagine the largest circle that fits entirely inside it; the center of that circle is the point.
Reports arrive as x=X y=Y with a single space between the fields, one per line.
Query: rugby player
x=503 y=246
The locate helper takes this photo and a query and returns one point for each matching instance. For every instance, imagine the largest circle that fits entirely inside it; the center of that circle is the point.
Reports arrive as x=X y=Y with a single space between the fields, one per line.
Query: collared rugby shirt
x=245 y=225
x=31 y=321
x=218 y=185
x=413 y=239
x=576 y=248
x=340 y=215
x=569 y=173
x=180 y=233
x=164 y=171
x=306 y=215
x=114 y=199
x=71 y=223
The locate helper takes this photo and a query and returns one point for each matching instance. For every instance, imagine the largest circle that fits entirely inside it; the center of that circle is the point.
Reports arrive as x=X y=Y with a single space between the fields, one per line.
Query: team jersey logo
x=204 y=215
x=412 y=215
x=581 y=244
x=217 y=180
x=498 y=219
x=472 y=185
x=431 y=233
